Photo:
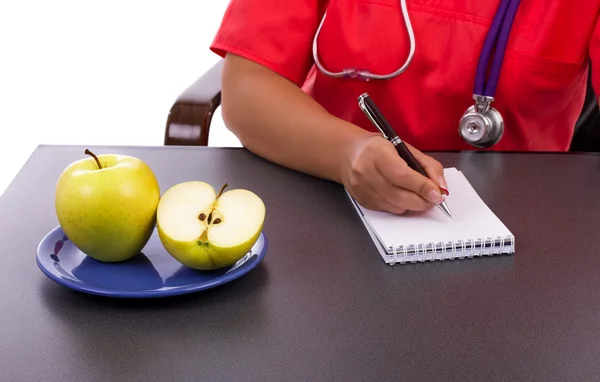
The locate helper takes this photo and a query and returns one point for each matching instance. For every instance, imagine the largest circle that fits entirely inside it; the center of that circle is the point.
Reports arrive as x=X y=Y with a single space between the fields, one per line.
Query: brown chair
x=188 y=123
x=587 y=128
x=190 y=116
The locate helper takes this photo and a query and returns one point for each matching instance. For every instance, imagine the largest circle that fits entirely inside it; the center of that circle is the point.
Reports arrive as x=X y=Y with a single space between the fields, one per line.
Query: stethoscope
x=481 y=125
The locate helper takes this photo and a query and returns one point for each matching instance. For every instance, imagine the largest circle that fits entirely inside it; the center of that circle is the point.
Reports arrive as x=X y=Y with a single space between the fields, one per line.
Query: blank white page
x=471 y=219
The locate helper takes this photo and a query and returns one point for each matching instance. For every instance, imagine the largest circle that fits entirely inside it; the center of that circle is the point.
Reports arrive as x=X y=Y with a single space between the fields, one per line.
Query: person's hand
x=379 y=179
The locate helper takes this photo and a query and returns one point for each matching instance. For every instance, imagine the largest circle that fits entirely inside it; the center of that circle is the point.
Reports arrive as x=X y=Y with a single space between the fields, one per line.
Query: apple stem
x=222 y=189
x=88 y=152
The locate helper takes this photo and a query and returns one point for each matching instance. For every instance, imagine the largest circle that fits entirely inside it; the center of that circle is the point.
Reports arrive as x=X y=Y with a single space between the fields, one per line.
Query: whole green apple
x=106 y=205
x=205 y=230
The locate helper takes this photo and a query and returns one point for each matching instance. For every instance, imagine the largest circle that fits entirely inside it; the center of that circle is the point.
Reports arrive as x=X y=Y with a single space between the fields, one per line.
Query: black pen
x=372 y=112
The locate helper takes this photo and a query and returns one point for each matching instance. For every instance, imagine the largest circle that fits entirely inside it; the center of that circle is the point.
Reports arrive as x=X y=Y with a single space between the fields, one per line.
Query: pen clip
x=369 y=113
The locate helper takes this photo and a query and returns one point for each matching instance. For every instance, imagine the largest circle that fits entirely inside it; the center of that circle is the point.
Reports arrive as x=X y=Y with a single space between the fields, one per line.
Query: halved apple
x=205 y=230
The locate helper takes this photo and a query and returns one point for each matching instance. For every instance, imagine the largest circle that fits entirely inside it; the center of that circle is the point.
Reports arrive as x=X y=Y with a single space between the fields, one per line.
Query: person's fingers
x=433 y=168
x=397 y=196
x=397 y=172
x=372 y=190
x=380 y=179
x=379 y=202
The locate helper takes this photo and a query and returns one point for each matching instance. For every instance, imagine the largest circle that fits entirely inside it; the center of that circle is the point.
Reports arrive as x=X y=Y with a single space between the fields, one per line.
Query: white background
x=98 y=73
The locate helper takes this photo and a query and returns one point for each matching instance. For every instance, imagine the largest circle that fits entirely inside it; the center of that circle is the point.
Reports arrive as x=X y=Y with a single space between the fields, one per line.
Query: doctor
x=448 y=75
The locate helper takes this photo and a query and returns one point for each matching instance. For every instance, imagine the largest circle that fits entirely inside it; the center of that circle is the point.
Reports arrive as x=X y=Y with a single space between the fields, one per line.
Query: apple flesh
x=106 y=205
x=205 y=230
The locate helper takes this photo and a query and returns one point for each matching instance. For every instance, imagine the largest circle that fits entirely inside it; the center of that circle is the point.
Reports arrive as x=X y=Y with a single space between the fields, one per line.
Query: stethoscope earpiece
x=481 y=125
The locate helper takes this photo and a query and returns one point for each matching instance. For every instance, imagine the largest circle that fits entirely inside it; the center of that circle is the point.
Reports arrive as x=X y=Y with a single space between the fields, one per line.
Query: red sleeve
x=595 y=58
x=277 y=34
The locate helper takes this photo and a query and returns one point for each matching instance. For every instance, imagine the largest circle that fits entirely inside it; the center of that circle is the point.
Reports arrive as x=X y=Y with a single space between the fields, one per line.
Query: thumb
x=421 y=185
x=397 y=172
x=428 y=189
x=405 y=177
x=433 y=168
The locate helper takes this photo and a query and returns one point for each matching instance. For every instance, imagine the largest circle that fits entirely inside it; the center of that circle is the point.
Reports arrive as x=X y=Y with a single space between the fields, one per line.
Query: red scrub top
x=540 y=91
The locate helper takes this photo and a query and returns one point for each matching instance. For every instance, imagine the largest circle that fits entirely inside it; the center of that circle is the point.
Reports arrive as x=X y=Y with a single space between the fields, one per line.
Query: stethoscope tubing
x=497 y=38
x=362 y=73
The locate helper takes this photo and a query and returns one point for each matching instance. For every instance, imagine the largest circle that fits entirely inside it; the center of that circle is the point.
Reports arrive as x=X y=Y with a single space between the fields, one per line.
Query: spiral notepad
x=474 y=229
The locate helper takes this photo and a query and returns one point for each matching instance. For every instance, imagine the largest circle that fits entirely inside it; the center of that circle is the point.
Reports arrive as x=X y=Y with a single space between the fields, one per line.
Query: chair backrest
x=587 y=128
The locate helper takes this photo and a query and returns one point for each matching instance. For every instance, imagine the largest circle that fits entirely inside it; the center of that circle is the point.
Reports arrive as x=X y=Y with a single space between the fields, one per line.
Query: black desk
x=322 y=305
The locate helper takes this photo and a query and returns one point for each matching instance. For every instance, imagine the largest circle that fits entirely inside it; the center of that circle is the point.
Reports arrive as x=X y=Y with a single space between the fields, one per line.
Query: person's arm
x=263 y=104
x=274 y=118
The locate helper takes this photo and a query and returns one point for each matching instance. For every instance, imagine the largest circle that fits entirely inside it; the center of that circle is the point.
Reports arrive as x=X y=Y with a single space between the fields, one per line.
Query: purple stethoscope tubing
x=497 y=37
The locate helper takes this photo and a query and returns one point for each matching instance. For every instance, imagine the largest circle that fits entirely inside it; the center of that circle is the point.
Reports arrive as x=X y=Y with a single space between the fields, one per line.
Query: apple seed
x=202 y=217
x=217 y=221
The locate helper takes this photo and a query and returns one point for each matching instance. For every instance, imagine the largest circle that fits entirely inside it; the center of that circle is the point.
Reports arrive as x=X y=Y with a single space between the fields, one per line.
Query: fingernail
x=435 y=197
x=444 y=186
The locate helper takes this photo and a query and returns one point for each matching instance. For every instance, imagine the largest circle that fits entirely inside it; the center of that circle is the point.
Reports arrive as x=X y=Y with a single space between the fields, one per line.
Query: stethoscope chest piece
x=481 y=125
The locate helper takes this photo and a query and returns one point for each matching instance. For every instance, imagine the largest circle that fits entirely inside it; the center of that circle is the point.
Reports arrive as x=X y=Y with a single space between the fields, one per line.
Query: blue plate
x=150 y=274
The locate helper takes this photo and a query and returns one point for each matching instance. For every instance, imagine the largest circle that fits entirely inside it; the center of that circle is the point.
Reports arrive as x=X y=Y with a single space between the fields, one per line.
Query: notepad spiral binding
x=459 y=249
